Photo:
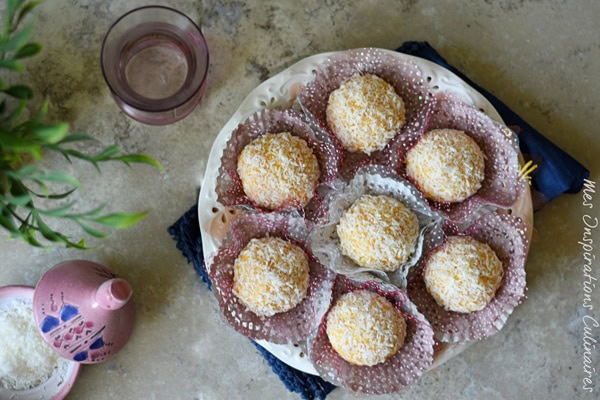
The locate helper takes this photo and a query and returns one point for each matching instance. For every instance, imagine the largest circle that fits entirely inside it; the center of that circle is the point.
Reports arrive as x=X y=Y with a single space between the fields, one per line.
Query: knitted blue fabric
x=186 y=232
x=557 y=173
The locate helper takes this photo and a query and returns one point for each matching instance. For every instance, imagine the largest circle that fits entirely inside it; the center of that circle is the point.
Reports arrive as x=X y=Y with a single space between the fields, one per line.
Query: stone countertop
x=542 y=57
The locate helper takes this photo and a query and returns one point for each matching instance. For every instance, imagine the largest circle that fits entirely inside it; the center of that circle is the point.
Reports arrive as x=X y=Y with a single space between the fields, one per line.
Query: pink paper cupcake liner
x=394 y=374
x=229 y=185
x=405 y=76
x=505 y=234
x=498 y=143
x=286 y=327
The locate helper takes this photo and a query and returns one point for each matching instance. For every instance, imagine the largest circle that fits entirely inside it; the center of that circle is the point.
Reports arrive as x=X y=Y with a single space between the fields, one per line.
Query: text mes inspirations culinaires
x=589 y=284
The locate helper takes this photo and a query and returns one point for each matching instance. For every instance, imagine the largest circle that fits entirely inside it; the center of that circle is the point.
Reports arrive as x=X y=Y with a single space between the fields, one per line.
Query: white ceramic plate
x=281 y=91
x=60 y=383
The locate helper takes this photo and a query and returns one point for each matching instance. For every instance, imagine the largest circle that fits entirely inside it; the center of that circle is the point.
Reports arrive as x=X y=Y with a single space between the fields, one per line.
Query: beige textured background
x=541 y=57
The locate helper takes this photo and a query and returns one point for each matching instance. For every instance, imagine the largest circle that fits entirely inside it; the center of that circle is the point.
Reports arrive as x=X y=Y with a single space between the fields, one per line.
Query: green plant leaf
x=58 y=177
x=58 y=212
x=74 y=153
x=51 y=133
x=17 y=188
x=96 y=212
x=120 y=220
x=11 y=8
x=29 y=237
x=23 y=172
x=8 y=221
x=92 y=232
x=26 y=10
x=12 y=64
x=18 y=144
x=56 y=237
x=107 y=153
x=41 y=114
x=79 y=245
x=57 y=196
x=71 y=152
x=20 y=201
x=30 y=49
x=16 y=113
x=28 y=232
x=43 y=186
x=140 y=158
x=18 y=40
x=44 y=229
x=19 y=91
x=75 y=137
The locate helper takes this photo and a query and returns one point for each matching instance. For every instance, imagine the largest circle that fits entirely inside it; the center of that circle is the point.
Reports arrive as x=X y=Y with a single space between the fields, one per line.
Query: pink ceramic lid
x=61 y=382
x=83 y=311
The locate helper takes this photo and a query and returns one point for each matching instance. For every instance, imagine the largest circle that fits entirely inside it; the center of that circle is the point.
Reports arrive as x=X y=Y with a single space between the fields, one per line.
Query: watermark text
x=590 y=323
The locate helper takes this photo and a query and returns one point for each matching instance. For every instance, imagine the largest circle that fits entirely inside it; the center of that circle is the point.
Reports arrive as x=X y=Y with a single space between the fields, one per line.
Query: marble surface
x=542 y=57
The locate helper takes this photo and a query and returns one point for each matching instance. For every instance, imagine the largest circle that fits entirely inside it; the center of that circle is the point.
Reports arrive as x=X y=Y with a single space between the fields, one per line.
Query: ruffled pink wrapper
x=374 y=180
x=505 y=234
x=229 y=185
x=404 y=75
x=394 y=374
x=498 y=143
x=287 y=327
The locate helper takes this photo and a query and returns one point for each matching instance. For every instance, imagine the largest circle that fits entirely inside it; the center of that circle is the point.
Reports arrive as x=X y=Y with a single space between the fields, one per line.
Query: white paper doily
x=281 y=91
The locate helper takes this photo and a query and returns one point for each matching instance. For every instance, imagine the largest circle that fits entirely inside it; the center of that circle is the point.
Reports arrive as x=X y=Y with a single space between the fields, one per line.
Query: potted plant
x=31 y=197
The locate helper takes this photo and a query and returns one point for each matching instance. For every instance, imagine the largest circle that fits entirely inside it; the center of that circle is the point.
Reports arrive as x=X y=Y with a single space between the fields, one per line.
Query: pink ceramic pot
x=83 y=311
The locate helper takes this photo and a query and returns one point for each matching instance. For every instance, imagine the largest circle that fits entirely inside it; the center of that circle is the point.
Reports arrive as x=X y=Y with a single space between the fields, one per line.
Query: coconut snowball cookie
x=278 y=169
x=365 y=113
x=373 y=340
x=463 y=274
x=271 y=275
x=378 y=232
x=364 y=328
x=447 y=165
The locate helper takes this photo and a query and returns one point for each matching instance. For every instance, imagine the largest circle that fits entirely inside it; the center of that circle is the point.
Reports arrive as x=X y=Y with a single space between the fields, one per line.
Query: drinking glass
x=155 y=62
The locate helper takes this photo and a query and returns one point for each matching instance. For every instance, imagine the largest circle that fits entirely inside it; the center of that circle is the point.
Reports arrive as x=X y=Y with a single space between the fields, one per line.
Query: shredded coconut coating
x=447 y=165
x=364 y=328
x=378 y=232
x=463 y=274
x=26 y=360
x=278 y=170
x=365 y=113
x=271 y=275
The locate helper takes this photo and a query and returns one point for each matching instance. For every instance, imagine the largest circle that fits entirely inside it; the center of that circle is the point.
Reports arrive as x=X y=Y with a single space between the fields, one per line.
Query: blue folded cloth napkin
x=557 y=173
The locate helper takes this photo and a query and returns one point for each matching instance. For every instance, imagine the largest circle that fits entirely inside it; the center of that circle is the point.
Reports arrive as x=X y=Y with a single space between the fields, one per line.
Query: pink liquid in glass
x=155 y=61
